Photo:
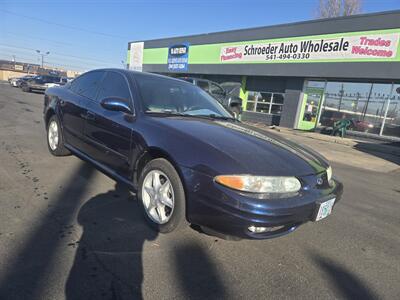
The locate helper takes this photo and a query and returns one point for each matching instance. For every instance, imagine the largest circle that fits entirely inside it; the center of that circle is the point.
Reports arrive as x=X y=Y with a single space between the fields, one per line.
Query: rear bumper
x=231 y=213
x=37 y=87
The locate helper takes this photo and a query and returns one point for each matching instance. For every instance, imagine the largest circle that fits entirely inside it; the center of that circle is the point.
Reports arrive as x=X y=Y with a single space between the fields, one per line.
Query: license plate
x=324 y=209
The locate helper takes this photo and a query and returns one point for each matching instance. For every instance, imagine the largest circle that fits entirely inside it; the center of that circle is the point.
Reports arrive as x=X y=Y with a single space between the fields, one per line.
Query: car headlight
x=329 y=173
x=260 y=184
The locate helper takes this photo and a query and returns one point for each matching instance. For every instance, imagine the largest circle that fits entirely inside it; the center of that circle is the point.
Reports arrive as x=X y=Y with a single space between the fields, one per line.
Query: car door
x=109 y=132
x=74 y=107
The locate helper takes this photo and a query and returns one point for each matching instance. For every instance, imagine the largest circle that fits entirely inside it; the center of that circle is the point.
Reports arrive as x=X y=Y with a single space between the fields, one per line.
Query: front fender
x=189 y=152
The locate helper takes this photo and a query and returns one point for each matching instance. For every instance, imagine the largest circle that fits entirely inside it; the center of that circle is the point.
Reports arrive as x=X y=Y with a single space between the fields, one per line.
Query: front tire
x=161 y=196
x=55 y=140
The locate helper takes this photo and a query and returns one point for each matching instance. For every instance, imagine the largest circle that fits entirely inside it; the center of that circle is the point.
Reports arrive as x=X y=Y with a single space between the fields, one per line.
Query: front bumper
x=231 y=213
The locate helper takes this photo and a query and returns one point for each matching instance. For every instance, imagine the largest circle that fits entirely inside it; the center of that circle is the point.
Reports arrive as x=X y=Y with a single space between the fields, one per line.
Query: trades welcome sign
x=325 y=48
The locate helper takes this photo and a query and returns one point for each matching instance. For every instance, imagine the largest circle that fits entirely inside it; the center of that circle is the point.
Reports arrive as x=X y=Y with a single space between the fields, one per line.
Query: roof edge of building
x=367 y=15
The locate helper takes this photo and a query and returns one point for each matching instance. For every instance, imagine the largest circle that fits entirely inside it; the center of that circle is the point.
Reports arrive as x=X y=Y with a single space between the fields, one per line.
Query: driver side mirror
x=116 y=104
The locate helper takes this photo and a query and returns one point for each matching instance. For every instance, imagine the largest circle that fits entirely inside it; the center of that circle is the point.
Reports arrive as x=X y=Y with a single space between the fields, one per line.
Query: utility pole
x=14 y=61
x=42 y=54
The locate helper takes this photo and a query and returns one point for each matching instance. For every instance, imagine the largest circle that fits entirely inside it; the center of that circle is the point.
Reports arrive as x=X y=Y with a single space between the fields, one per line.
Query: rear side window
x=114 y=85
x=87 y=84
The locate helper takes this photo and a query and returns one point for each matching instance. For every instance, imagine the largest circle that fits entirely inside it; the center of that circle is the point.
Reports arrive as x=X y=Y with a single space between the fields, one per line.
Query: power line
x=60 y=54
x=24 y=36
x=49 y=63
x=27 y=60
x=67 y=64
x=19 y=58
x=37 y=38
x=63 y=25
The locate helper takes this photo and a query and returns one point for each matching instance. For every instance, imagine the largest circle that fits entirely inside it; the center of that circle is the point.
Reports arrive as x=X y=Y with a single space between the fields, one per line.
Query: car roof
x=131 y=73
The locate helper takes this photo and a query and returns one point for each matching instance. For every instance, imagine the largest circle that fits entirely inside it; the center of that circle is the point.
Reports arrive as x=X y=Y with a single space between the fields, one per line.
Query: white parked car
x=63 y=81
x=15 y=81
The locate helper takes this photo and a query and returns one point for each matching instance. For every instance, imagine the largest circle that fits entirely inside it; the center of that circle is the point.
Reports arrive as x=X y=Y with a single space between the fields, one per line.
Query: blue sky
x=82 y=35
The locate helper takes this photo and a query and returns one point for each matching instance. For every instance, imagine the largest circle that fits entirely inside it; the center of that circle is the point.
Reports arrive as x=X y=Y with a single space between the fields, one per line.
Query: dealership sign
x=363 y=46
x=178 y=56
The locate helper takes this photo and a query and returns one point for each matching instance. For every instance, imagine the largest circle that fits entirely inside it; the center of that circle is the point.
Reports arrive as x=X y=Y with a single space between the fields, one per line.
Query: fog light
x=257 y=229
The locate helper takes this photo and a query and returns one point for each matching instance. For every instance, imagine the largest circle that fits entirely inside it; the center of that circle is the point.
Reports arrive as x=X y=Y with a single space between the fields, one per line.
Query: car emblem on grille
x=320 y=181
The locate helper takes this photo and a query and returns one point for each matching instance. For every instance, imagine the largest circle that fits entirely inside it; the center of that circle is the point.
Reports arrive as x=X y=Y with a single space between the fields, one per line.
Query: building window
x=392 y=121
x=371 y=107
x=265 y=102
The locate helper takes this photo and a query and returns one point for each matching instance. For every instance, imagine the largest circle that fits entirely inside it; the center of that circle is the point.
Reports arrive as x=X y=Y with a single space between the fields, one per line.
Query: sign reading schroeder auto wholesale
x=325 y=48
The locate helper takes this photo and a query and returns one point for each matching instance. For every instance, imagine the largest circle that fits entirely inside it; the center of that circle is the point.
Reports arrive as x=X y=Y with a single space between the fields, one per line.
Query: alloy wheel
x=158 y=196
x=52 y=135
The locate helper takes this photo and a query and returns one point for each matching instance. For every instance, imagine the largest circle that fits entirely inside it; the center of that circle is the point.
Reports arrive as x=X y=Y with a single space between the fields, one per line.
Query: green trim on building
x=155 y=56
x=210 y=53
x=244 y=93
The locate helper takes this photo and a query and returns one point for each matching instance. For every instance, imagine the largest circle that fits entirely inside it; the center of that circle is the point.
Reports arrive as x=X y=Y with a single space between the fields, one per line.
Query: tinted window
x=114 y=85
x=163 y=95
x=38 y=79
x=87 y=84
x=203 y=85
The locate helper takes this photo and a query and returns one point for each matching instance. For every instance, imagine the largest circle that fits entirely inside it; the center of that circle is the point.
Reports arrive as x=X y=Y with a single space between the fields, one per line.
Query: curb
x=392 y=150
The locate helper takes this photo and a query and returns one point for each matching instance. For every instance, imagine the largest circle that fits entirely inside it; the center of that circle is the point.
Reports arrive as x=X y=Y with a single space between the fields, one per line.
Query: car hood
x=243 y=149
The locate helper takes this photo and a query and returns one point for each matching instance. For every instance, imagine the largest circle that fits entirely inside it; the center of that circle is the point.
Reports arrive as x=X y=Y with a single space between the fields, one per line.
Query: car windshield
x=164 y=95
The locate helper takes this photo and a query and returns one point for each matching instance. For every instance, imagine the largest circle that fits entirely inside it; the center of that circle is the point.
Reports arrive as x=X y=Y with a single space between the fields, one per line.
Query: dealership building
x=300 y=75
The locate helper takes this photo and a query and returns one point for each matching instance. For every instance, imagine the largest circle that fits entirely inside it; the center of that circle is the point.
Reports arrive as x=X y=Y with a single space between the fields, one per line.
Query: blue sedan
x=186 y=157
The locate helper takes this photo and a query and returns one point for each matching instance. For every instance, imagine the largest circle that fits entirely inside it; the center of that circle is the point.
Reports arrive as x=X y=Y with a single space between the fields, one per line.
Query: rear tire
x=163 y=199
x=55 y=140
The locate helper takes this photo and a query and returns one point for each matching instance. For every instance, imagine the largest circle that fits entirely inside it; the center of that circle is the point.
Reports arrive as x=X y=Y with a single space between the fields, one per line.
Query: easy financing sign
x=338 y=48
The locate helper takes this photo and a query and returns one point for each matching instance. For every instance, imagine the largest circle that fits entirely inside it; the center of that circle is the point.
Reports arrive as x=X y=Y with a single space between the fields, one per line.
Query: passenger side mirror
x=116 y=104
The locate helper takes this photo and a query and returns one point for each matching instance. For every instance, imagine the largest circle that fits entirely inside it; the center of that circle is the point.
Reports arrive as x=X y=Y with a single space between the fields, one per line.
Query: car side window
x=114 y=85
x=216 y=89
x=87 y=85
x=203 y=85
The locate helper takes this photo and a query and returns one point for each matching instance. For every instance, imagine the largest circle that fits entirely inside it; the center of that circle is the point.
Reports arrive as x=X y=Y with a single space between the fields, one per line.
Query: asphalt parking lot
x=69 y=232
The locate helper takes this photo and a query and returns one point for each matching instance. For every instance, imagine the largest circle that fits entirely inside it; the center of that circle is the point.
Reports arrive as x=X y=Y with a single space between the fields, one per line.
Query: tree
x=338 y=8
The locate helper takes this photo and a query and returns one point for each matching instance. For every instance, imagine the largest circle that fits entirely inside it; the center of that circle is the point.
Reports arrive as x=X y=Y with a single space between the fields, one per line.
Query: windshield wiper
x=179 y=114
x=218 y=117
x=165 y=112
